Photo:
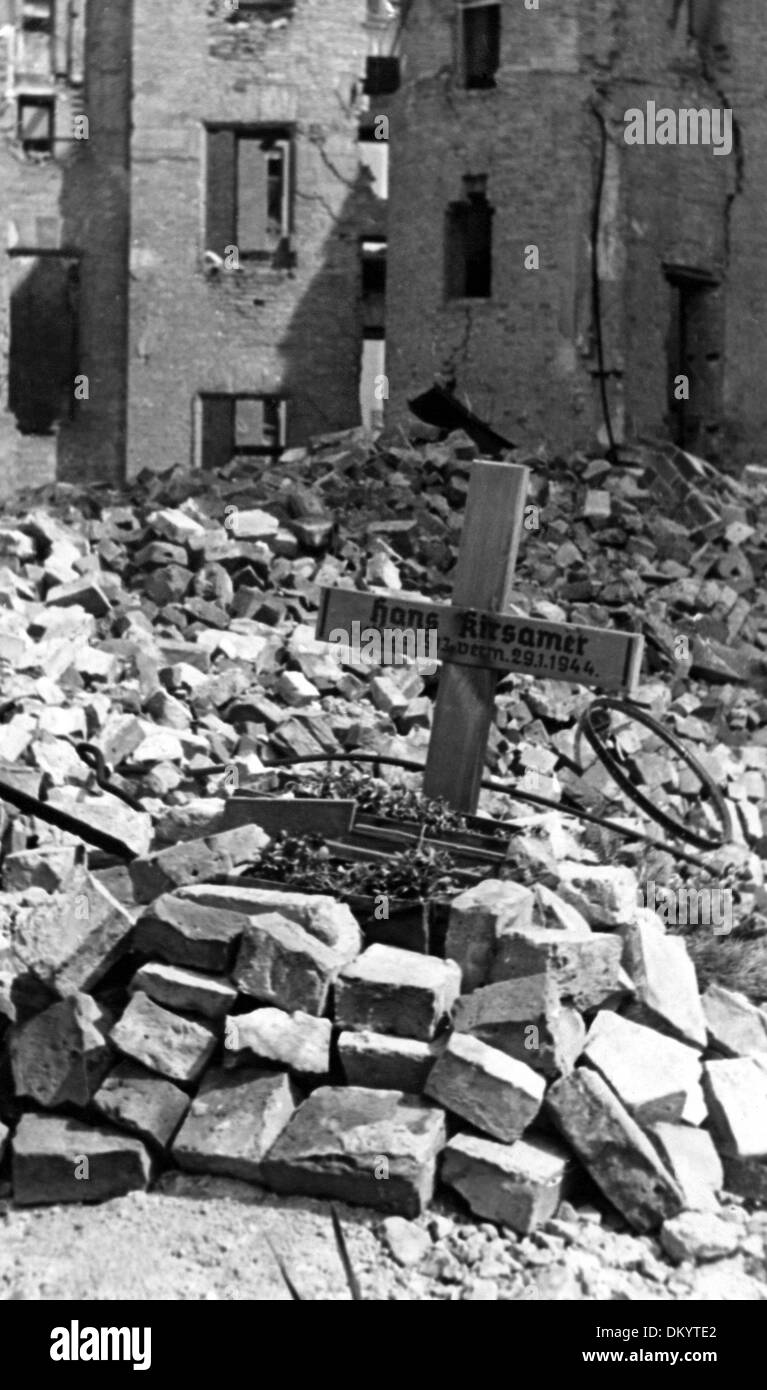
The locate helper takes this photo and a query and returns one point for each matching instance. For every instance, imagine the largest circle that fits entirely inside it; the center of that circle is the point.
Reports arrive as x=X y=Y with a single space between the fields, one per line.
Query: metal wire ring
x=609 y=761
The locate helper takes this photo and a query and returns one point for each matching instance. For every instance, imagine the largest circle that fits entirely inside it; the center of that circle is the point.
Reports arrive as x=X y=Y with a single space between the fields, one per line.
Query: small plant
x=306 y=863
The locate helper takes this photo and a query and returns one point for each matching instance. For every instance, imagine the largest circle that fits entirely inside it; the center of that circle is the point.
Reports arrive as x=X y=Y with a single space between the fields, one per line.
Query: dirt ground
x=206 y=1238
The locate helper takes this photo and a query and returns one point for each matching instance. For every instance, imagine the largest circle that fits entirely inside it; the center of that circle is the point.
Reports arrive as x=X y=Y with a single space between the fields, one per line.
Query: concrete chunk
x=195 y=861
x=71 y=939
x=60 y=1160
x=377 y=1148
x=585 y=969
x=185 y=990
x=666 y=986
x=185 y=934
x=477 y=919
x=234 y=1121
x=606 y=895
x=526 y=1019
x=652 y=1075
x=60 y=1056
x=297 y=1041
x=610 y=1144
x=736 y=1093
x=691 y=1158
x=402 y=993
x=736 y=1026
x=140 y=1101
x=165 y=1042
x=698 y=1236
x=384 y=1063
x=518 y=1185
x=281 y=963
x=323 y=917
x=493 y=1092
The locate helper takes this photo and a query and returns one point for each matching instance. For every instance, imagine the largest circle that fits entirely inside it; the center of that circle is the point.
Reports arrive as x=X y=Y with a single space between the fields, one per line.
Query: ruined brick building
x=197 y=260
x=507 y=143
x=195 y=266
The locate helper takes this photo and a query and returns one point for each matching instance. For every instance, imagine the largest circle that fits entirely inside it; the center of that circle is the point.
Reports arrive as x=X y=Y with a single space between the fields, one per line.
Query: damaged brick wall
x=63 y=263
x=282 y=321
x=679 y=231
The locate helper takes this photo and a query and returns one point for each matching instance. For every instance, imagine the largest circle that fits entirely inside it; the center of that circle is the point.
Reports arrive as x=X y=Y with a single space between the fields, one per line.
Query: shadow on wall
x=43 y=360
x=321 y=348
x=69 y=294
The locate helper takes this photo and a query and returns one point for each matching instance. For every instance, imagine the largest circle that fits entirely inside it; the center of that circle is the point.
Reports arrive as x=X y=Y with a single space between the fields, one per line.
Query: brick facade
x=63 y=260
x=294 y=331
x=680 y=227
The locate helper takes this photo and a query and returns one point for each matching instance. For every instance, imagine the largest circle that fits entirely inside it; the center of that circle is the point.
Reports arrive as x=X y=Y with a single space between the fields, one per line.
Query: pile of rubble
x=261 y=1040
x=158 y=653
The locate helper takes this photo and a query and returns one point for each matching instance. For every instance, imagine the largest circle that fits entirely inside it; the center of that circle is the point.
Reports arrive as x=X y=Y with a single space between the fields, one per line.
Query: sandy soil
x=209 y=1238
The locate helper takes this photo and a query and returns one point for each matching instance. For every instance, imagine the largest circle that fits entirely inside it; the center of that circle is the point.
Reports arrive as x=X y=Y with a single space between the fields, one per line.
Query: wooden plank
x=295 y=815
x=484 y=576
x=498 y=642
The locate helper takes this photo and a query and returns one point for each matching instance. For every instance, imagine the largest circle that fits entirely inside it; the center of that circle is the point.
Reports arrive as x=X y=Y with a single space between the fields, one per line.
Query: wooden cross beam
x=477 y=637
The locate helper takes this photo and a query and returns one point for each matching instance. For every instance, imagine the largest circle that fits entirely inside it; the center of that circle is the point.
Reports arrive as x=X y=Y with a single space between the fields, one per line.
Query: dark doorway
x=695 y=351
x=43 y=347
x=249 y=425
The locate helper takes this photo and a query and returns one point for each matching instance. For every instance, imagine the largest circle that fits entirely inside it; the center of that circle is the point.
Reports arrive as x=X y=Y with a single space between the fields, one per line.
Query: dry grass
x=737 y=962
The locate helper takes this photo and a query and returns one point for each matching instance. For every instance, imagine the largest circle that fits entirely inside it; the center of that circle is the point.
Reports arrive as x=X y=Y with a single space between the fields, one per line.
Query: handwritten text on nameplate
x=495 y=641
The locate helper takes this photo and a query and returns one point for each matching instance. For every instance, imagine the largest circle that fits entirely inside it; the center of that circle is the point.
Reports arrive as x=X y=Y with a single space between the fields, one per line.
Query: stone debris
x=736 y=1092
x=519 y=1185
x=616 y=1152
x=185 y=990
x=297 y=1041
x=407 y=1242
x=377 y=1148
x=387 y=990
x=691 y=1157
x=165 y=1042
x=478 y=918
x=234 y=1122
x=386 y=1063
x=60 y=1160
x=59 y=1056
x=697 y=1235
x=138 y=1100
x=654 y=1076
x=495 y=1093
x=735 y=1026
x=158 y=662
x=526 y=1019
x=281 y=963
x=666 y=986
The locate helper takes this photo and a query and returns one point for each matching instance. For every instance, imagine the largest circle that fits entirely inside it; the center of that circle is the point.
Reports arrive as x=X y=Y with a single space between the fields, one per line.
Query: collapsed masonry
x=232 y=1026
x=261 y=1041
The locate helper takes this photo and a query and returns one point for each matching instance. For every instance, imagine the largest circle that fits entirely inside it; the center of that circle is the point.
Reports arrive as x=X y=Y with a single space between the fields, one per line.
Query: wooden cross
x=477 y=637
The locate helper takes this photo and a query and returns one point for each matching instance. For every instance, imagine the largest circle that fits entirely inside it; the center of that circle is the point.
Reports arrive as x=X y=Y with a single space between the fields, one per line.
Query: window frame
x=464 y=7
x=45 y=101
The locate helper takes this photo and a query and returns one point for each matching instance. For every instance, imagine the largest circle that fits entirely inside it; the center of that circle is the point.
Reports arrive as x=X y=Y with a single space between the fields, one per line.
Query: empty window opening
x=695 y=354
x=248 y=194
x=373 y=386
x=35 y=124
x=250 y=425
x=480 y=36
x=374 y=154
x=382 y=75
x=37 y=16
x=43 y=341
x=468 y=249
x=373 y=268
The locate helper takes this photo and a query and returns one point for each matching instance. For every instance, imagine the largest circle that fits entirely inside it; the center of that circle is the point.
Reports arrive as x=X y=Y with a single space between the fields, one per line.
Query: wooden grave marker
x=477 y=637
